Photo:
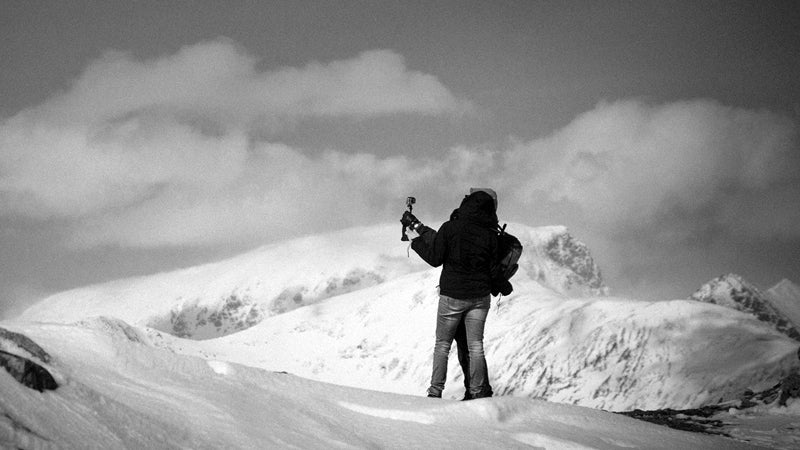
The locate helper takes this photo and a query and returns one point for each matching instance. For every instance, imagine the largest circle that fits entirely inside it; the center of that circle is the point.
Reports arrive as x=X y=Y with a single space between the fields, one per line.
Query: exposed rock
x=237 y=312
x=24 y=369
x=790 y=388
x=27 y=372
x=10 y=339
x=698 y=420
x=711 y=419
x=556 y=260
x=190 y=320
x=574 y=255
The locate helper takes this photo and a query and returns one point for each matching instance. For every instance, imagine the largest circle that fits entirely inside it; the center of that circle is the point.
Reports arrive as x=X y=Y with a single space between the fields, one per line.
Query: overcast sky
x=137 y=137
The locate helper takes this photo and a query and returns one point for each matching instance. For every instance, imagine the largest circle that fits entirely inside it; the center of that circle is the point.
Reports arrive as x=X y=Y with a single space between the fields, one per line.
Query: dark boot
x=486 y=392
x=434 y=393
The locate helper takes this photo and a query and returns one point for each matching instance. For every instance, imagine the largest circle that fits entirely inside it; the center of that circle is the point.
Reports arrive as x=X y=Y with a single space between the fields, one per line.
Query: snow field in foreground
x=117 y=391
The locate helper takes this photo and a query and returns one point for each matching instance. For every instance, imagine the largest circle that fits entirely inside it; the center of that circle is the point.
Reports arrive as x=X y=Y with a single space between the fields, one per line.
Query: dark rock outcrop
x=22 y=368
x=27 y=372
x=714 y=419
x=574 y=255
x=25 y=343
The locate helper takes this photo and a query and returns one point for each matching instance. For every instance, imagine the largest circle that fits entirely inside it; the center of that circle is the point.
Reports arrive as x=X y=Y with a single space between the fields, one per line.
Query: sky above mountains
x=142 y=136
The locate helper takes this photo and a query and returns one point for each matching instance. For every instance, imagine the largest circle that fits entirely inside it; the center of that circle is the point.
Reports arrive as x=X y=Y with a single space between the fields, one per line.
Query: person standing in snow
x=466 y=247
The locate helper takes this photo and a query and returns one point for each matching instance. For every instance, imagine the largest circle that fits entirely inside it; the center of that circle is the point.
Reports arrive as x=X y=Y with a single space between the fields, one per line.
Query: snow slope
x=601 y=352
x=227 y=296
x=231 y=295
x=785 y=296
x=118 y=391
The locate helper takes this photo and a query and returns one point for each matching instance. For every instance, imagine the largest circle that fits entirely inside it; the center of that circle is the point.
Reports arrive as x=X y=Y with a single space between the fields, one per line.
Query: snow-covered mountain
x=227 y=296
x=117 y=391
x=555 y=259
x=232 y=295
x=785 y=296
x=353 y=308
x=602 y=352
x=734 y=292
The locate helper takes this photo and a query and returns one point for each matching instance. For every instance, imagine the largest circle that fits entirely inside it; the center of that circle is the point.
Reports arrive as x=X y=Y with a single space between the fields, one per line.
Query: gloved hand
x=409 y=220
x=411 y=225
x=501 y=287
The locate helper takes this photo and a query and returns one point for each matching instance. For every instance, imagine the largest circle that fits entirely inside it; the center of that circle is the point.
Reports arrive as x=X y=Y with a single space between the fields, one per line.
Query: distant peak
x=732 y=278
x=732 y=291
x=573 y=268
x=728 y=281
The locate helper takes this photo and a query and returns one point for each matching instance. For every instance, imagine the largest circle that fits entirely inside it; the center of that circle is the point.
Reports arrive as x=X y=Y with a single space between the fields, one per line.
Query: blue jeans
x=451 y=312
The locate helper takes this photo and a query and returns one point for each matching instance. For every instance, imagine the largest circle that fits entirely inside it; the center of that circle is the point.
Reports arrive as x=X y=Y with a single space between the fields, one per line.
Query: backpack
x=509 y=249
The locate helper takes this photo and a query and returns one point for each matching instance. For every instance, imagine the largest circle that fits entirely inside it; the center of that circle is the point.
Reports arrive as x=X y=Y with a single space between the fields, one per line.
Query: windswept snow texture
x=785 y=296
x=119 y=392
x=734 y=292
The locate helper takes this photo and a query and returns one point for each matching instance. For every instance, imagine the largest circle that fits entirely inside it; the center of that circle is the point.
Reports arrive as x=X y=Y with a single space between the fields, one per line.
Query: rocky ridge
x=734 y=292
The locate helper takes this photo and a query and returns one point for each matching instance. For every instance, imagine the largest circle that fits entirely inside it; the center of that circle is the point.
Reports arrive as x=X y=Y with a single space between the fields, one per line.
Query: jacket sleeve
x=423 y=245
x=431 y=246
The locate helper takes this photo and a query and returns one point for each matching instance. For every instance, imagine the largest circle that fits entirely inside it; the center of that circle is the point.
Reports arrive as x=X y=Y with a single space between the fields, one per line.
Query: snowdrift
x=118 y=391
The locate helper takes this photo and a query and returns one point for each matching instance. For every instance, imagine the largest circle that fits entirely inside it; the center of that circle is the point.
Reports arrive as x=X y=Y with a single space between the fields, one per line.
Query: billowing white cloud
x=68 y=172
x=283 y=192
x=629 y=165
x=162 y=152
x=134 y=137
x=219 y=81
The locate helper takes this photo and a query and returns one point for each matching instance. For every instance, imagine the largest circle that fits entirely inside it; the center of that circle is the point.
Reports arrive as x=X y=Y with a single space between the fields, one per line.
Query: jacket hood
x=488 y=191
x=478 y=207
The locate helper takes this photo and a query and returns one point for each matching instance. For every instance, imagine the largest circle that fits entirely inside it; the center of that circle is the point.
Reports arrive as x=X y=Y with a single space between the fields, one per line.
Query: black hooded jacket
x=466 y=245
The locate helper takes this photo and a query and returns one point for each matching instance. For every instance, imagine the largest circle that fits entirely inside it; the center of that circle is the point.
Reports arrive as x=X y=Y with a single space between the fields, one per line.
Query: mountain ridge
x=600 y=352
x=733 y=291
x=558 y=336
x=231 y=295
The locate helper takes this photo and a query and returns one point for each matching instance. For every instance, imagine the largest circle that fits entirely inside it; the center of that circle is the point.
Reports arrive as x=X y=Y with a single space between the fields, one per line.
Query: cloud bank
x=163 y=152
x=682 y=168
